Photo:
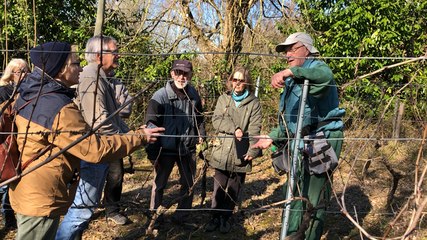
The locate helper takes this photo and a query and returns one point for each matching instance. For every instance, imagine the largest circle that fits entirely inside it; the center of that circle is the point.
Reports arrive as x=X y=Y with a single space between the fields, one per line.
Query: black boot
x=213 y=224
x=224 y=224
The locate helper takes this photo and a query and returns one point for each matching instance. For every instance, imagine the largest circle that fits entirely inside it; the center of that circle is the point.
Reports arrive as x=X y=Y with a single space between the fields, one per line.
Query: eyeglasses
x=238 y=80
x=114 y=52
x=292 y=50
x=75 y=63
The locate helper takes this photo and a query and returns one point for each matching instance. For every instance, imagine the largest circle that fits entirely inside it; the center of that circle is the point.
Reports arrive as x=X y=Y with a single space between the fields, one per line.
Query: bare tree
x=212 y=26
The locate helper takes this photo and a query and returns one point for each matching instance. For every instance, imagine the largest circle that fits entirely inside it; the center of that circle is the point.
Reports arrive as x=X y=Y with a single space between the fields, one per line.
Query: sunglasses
x=238 y=80
x=180 y=72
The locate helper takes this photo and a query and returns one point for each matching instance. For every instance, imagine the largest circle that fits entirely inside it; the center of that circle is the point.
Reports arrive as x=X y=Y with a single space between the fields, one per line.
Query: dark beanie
x=50 y=57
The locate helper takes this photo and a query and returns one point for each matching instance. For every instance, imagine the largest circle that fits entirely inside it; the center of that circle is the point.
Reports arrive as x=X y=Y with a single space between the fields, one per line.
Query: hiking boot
x=118 y=219
x=212 y=225
x=224 y=225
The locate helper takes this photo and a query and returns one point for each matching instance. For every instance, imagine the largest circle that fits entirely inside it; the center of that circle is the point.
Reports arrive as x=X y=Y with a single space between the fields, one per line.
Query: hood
x=32 y=84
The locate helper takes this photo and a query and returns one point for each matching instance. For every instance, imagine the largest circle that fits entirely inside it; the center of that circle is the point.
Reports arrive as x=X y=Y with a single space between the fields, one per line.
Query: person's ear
x=62 y=72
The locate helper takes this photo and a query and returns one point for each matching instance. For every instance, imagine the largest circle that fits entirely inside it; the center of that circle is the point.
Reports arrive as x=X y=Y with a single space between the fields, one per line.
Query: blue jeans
x=5 y=204
x=6 y=210
x=92 y=180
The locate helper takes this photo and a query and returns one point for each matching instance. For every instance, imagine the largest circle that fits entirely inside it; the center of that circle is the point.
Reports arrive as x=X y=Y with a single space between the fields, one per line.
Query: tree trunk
x=231 y=27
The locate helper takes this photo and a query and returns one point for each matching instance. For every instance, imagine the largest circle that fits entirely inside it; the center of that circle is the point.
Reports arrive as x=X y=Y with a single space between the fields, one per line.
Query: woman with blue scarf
x=237 y=117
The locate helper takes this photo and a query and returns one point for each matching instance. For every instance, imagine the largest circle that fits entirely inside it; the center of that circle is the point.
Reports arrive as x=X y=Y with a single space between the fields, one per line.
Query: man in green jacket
x=321 y=114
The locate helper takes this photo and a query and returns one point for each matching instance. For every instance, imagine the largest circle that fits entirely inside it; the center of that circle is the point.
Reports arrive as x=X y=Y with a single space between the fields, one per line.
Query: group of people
x=72 y=183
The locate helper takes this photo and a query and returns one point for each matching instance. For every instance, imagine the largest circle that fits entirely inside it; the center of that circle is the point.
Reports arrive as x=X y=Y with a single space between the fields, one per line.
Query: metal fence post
x=293 y=169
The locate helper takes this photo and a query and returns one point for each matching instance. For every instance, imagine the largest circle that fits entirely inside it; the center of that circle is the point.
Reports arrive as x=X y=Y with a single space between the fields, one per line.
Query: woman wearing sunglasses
x=237 y=117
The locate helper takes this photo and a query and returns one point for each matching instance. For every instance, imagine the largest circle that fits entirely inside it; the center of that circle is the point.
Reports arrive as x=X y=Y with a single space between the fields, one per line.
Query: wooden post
x=99 y=17
x=398 y=115
x=399 y=119
x=395 y=113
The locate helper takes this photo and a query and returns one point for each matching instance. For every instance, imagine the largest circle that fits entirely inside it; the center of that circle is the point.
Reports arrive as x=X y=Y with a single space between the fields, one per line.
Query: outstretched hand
x=264 y=142
x=151 y=134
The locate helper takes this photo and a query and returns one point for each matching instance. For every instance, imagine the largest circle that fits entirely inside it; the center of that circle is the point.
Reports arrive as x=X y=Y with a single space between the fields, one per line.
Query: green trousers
x=30 y=228
x=317 y=189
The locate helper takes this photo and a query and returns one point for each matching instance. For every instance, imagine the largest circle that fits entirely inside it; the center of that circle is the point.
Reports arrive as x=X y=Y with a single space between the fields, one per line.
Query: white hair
x=7 y=77
x=94 y=46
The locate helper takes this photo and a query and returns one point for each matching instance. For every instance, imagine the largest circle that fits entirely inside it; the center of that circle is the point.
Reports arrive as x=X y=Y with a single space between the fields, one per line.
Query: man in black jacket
x=176 y=107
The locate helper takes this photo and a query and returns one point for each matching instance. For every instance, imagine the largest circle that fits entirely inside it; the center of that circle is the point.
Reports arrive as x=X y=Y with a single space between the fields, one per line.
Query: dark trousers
x=163 y=168
x=227 y=186
x=113 y=187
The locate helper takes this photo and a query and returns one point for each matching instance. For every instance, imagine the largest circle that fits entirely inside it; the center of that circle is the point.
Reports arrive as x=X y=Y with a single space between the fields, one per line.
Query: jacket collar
x=94 y=67
x=172 y=94
x=38 y=81
x=245 y=101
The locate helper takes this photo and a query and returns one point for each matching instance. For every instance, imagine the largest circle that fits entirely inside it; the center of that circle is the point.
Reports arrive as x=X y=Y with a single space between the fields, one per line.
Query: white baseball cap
x=302 y=37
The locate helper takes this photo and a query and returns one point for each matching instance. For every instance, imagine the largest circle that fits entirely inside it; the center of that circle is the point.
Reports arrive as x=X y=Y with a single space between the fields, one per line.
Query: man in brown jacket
x=42 y=196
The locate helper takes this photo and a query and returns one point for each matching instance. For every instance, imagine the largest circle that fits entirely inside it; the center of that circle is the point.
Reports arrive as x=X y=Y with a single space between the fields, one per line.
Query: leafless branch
x=383 y=69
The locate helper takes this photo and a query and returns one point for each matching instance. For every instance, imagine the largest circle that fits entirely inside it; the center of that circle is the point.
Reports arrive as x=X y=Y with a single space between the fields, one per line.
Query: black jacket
x=181 y=116
x=5 y=92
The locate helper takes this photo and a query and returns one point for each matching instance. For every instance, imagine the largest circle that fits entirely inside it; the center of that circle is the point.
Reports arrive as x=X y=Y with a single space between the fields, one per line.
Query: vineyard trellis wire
x=358 y=148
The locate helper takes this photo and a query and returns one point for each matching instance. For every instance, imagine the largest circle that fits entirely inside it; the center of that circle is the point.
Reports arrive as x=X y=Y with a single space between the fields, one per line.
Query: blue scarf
x=238 y=98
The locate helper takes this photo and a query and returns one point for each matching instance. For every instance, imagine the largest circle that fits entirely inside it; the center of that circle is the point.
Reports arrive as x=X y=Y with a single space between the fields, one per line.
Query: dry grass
x=366 y=194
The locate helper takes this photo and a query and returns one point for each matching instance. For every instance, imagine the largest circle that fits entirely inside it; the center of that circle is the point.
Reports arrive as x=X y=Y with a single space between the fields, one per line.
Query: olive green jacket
x=228 y=152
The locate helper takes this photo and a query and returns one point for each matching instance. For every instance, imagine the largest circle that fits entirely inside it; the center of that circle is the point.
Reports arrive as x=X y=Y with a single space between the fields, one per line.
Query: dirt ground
x=365 y=199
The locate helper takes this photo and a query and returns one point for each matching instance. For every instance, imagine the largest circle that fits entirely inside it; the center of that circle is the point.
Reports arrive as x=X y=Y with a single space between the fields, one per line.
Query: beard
x=180 y=85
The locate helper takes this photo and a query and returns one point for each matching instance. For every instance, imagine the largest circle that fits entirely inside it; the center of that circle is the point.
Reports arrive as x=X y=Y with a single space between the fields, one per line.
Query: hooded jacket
x=228 y=152
x=54 y=120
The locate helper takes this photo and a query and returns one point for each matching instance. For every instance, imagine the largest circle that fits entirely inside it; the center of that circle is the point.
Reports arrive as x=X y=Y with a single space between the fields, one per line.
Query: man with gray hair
x=322 y=117
x=97 y=100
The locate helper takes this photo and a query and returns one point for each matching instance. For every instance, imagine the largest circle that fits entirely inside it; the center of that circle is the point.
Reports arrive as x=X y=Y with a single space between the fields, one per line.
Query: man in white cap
x=321 y=115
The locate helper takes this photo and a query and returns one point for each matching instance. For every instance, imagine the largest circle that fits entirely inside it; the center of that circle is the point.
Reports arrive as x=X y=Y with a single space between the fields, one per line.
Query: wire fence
x=367 y=140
